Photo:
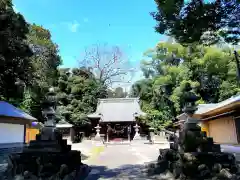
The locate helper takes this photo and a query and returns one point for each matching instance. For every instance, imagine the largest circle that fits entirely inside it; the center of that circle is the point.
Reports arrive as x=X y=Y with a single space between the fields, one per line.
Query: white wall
x=11 y=133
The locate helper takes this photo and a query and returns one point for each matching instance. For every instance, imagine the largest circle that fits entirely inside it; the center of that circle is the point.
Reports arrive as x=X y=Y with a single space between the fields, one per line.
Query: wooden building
x=221 y=120
x=13 y=124
x=32 y=130
x=116 y=116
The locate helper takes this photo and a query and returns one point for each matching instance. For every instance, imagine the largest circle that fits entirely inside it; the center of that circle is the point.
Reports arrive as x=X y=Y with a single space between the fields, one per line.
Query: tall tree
x=46 y=59
x=15 y=53
x=78 y=92
x=188 y=21
x=210 y=70
x=107 y=63
x=45 y=62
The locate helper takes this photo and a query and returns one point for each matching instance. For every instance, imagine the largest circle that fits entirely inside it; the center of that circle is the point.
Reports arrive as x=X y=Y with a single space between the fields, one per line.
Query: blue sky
x=76 y=24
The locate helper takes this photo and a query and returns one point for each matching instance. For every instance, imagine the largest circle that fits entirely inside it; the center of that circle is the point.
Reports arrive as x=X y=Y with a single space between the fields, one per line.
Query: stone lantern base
x=97 y=137
x=137 y=137
x=47 y=159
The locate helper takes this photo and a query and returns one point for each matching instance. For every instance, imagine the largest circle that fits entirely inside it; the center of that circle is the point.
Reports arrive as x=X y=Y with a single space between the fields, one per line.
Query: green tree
x=45 y=62
x=189 y=21
x=210 y=71
x=14 y=52
x=78 y=91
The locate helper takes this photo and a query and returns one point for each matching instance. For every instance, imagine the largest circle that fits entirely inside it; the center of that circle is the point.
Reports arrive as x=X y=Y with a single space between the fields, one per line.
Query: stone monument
x=193 y=155
x=49 y=156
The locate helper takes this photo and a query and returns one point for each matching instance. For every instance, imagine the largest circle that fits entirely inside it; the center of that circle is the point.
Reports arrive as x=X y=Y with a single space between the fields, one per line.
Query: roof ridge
x=116 y=98
x=119 y=100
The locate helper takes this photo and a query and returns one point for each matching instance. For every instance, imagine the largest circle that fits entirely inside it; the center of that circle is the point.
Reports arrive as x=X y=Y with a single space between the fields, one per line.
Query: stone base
x=97 y=138
x=44 y=159
x=198 y=165
x=137 y=137
x=46 y=164
x=118 y=143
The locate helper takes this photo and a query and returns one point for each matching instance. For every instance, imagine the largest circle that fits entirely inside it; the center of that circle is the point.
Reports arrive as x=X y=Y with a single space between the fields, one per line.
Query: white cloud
x=73 y=27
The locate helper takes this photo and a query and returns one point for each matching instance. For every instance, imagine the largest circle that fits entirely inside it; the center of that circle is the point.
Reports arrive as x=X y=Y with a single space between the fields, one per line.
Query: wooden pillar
x=107 y=132
x=129 y=129
x=72 y=133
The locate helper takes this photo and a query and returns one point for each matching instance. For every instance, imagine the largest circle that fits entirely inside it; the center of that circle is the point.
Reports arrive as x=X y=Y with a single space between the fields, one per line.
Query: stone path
x=128 y=162
x=123 y=162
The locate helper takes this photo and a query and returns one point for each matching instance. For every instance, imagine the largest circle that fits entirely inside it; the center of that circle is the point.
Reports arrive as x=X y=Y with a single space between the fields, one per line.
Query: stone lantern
x=193 y=155
x=151 y=135
x=49 y=156
x=136 y=127
x=97 y=137
x=137 y=135
x=49 y=114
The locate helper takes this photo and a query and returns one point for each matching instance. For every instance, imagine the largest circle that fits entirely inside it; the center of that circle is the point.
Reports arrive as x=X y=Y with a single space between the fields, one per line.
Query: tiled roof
x=9 y=110
x=204 y=108
x=117 y=110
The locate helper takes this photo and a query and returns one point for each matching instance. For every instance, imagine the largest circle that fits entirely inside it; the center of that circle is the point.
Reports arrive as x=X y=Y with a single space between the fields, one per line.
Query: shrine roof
x=117 y=110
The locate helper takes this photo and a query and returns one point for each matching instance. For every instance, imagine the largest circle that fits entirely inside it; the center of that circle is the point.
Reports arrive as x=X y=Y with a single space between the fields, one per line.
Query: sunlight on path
x=95 y=153
x=121 y=162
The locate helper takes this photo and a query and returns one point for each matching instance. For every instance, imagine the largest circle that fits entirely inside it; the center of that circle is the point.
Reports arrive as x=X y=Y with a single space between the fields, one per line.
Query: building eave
x=226 y=105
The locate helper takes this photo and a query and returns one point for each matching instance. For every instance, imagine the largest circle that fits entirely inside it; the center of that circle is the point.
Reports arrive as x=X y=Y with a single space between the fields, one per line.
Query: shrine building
x=116 y=117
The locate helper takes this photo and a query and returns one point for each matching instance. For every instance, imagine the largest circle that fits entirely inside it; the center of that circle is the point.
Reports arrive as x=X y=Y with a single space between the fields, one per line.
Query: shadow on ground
x=126 y=172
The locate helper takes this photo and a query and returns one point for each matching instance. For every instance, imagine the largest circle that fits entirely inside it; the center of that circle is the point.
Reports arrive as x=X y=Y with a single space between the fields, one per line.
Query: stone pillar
x=98 y=137
x=151 y=135
x=72 y=134
x=129 y=132
x=108 y=129
x=137 y=135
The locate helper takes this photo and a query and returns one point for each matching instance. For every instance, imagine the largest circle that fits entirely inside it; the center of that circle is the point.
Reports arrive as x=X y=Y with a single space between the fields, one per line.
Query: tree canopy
x=170 y=66
x=29 y=61
x=189 y=21
x=78 y=94
x=14 y=52
x=107 y=63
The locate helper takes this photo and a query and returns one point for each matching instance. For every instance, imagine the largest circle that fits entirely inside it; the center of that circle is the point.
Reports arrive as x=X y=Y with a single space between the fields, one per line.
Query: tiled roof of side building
x=204 y=108
x=118 y=109
x=9 y=110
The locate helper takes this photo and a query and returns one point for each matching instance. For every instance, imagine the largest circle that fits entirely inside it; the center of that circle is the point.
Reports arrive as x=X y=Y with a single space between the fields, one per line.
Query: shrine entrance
x=117 y=118
x=117 y=131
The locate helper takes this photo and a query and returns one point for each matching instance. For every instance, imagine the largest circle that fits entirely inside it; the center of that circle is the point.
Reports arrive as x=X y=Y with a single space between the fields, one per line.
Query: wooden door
x=223 y=130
